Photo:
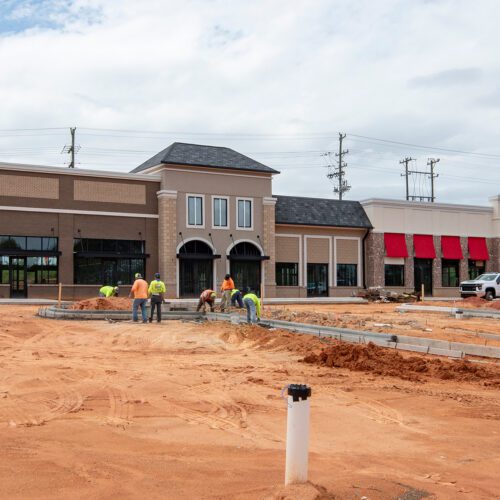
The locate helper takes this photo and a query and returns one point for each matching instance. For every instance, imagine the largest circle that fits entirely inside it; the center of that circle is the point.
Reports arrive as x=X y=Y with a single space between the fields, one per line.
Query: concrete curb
x=471 y=313
x=402 y=342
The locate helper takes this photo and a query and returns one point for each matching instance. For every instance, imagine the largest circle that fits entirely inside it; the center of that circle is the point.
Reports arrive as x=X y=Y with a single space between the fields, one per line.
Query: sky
x=273 y=79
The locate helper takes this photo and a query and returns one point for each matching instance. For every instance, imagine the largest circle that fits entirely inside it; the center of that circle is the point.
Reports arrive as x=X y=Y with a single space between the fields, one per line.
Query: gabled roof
x=320 y=212
x=180 y=153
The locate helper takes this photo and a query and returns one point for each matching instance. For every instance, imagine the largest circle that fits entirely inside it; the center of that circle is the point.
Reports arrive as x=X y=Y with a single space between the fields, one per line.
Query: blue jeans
x=135 y=306
x=251 y=310
x=237 y=297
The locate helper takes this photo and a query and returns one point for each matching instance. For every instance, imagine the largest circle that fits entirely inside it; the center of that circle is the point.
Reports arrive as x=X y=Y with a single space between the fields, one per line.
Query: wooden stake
x=59 y=296
x=422 y=295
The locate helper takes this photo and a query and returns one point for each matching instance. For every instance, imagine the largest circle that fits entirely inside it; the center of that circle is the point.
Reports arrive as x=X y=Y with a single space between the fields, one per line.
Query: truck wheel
x=490 y=295
x=464 y=295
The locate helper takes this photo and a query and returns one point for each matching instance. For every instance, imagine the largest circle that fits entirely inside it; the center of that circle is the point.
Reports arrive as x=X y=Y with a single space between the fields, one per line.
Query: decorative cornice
x=78 y=212
x=380 y=202
x=167 y=193
x=269 y=200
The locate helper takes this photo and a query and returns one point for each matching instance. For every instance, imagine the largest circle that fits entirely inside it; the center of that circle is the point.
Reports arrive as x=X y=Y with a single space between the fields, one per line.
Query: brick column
x=437 y=266
x=409 y=264
x=493 y=264
x=374 y=255
x=269 y=242
x=463 y=271
x=167 y=239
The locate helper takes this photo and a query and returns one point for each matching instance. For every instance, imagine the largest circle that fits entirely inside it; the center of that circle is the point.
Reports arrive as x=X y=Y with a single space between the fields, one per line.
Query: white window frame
x=214 y=197
x=251 y=200
x=203 y=210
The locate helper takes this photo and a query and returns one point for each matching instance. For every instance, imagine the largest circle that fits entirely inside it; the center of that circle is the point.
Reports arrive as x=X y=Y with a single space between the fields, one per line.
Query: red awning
x=395 y=245
x=423 y=245
x=478 y=249
x=450 y=247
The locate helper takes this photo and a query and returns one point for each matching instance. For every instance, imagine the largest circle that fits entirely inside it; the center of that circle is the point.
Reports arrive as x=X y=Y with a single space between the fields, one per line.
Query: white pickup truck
x=486 y=285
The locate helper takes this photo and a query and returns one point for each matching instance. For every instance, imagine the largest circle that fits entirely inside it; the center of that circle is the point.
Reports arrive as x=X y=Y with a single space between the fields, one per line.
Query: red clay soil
x=379 y=361
x=103 y=304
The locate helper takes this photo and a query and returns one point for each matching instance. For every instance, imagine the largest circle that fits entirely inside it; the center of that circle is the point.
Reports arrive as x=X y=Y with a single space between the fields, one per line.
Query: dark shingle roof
x=180 y=153
x=320 y=212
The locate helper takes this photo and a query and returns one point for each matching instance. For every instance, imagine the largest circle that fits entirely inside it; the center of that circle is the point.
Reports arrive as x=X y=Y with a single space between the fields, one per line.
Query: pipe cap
x=299 y=392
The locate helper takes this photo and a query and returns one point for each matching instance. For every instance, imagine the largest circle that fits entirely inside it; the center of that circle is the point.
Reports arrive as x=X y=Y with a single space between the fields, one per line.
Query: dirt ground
x=193 y=410
x=370 y=317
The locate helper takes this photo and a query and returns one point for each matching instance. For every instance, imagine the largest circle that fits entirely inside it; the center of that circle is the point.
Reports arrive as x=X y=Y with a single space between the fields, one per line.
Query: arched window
x=245 y=249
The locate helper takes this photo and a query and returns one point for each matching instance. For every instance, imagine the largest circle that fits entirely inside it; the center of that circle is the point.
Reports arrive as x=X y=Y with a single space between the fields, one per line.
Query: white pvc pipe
x=297 y=440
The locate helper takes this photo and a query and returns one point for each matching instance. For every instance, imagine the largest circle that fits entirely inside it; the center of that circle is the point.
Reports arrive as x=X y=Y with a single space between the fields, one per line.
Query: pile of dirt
x=473 y=302
x=495 y=305
x=323 y=319
x=380 y=361
x=103 y=304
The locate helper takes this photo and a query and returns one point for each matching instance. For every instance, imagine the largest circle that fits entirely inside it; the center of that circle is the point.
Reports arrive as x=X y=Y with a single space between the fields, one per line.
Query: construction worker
x=108 y=291
x=207 y=297
x=139 y=292
x=226 y=289
x=236 y=296
x=156 y=293
x=252 y=303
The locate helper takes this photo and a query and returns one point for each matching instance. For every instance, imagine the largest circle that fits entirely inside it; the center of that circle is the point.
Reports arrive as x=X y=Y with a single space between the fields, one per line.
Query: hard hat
x=115 y=288
x=157 y=276
x=227 y=276
x=213 y=294
x=137 y=276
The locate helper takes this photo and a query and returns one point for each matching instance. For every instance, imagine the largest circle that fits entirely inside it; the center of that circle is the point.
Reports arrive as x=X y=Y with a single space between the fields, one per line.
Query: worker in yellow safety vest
x=108 y=291
x=156 y=292
x=252 y=303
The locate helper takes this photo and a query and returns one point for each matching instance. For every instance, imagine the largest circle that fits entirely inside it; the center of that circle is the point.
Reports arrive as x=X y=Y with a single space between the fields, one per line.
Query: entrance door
x=18 y=285
x=246 y=273
x=423 y=275
x=195 y=275
x=317 y=280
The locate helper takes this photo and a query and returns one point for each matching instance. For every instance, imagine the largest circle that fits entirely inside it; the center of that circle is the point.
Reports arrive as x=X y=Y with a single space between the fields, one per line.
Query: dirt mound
x=473 y=302
x=324 y=319
x=103 y=304
x=380 y=361
x=495 y=305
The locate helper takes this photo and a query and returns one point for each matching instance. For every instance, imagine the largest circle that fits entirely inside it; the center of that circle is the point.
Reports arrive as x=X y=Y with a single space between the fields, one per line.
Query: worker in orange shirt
x=226 y=289
x=139 y=292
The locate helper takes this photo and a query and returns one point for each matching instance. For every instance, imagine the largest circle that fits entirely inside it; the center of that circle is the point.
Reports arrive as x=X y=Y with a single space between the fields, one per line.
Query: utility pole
x=406 y=174
x=73 y=149
x=431 y=162
x=343 y=186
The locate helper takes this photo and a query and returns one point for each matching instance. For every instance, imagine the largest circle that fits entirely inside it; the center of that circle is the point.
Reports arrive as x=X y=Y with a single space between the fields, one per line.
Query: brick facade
x=269 y=242
x=167 y=240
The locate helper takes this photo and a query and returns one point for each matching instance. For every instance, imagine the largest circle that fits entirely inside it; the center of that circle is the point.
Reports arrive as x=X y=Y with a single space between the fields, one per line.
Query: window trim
x=457 y=266
x=217 y=196
x=196 y=195
x=238 y=227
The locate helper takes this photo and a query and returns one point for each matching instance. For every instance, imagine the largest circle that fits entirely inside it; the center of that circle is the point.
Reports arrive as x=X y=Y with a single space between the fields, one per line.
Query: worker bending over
x=252 y=303
x=139 y=292
x=207 y=297
x=236 y=296
x=108 y=291
x=156 y=292
x=226 y=289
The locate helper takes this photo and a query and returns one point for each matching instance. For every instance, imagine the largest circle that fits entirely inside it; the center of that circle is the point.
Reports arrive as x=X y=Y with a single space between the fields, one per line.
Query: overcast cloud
x=276 y=80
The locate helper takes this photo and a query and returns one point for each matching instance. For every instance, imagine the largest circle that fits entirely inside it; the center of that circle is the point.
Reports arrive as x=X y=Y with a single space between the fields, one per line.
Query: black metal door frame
x=314 y=272
x=423 y=275
x=192 y=280
x=18 y=277
x=247 y=274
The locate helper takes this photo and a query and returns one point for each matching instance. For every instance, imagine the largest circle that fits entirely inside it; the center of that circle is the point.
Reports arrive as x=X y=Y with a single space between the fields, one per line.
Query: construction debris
x=379 y=294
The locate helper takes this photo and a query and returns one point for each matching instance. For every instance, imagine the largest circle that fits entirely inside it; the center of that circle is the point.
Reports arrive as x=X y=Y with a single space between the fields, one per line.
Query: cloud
x=448 y=77
x=274 y=80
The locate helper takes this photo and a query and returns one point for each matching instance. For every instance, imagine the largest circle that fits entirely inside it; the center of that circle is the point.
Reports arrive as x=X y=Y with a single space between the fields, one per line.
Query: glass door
x=18 y=285
x=195 y=276
x=317 y=280
x=423 y=275
x=246 y=274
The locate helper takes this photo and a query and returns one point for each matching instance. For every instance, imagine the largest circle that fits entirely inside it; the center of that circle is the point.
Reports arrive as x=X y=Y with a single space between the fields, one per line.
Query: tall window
x=220 y=212
x=394 y=275
x=245 y=214
x=450 y=272
x=107 y=262
x=287 y=274
x=347 y=275
x=476 y=268
x=4 y=269
x=195 y=211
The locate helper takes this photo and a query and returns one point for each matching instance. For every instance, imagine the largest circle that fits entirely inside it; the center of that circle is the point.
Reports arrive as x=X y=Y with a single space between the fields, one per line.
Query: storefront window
x=347 y=275
x=476 y=268
x=450 y=272
x=287 y=274
x=394 y=274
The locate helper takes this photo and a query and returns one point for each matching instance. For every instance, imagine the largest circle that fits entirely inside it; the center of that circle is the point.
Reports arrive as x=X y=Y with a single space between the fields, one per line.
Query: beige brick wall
x=167 y=234
x=269 y=241
x=110 y=192
x=24 y=186
x=318 y=250
x=347 y=251
x=287 y=249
